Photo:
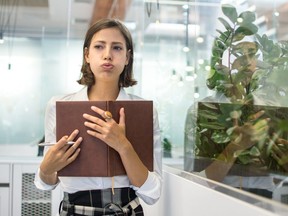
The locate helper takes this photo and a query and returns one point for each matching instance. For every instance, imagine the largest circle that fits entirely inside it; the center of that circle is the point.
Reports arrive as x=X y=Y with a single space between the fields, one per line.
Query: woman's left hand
x=107 y=130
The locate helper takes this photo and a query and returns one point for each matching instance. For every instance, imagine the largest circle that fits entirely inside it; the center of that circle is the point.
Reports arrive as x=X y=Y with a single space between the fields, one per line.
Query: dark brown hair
x=126 y=77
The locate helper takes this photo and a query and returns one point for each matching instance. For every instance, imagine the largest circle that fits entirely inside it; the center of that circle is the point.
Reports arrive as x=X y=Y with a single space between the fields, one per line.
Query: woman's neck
x=103 y=92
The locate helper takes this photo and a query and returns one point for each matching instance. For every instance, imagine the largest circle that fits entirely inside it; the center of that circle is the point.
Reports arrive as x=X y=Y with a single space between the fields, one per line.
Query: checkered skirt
x=123 y=202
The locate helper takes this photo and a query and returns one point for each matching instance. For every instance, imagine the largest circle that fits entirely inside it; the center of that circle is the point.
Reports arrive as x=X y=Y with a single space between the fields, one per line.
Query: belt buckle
x=69 y=207
x=115 y=208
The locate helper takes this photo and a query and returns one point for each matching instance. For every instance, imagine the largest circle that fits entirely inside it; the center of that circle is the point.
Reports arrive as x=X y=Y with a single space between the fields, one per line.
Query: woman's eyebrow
x=113 y=42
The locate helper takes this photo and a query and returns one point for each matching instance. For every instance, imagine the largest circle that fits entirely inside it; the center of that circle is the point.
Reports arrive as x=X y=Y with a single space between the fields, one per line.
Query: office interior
x=174 y=44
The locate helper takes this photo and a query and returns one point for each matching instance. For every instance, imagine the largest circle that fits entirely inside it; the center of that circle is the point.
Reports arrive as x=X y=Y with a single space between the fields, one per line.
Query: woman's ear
x=128 y=56
x=86 y=55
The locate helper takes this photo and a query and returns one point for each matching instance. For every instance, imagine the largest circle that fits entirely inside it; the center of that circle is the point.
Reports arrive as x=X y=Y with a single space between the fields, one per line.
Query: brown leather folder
x=96 y=158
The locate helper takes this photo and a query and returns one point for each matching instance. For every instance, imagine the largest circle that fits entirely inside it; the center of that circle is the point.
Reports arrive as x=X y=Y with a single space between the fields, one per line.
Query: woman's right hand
x=253 y=131
x=60 y=155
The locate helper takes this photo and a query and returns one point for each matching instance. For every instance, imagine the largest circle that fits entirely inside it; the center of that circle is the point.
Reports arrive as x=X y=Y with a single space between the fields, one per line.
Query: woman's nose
x=107 y=54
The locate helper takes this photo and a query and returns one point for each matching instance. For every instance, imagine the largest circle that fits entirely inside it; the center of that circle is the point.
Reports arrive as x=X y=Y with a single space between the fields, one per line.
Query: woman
x=106 y=70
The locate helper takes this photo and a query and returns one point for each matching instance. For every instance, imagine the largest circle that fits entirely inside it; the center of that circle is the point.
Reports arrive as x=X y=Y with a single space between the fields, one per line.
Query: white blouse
x=149 y=192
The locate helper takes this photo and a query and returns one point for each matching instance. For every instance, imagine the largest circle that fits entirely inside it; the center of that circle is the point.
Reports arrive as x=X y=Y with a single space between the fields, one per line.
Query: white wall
x=183 y=197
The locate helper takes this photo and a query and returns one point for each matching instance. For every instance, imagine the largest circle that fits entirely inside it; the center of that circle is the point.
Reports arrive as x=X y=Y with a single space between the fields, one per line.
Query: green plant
x=249 y=63
x=167 y=147
x=243 y=63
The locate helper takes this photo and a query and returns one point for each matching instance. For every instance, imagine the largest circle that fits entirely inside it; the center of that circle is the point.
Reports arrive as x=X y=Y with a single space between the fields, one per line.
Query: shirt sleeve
x=42 y=185
x=49 y=137
x=150 y=191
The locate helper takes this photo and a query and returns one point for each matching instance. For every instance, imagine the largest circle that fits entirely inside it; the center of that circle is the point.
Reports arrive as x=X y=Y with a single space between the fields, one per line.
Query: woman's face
x=107 y=55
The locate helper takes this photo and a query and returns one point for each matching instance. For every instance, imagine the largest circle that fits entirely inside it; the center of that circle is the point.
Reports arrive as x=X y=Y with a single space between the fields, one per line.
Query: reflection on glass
x=239 y=135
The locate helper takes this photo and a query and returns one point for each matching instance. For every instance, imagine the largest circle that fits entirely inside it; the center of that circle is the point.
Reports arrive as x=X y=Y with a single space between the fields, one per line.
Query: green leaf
x=219 y=47
x=247 y=30
x=214 y=59
x=263 y=40
x=207 y=114
x=281 y=61
x=284 y=47
x=283 y=125
x=222 y=69
x=237 y=153
x=230 y=12
x=224 y=36
x=228 y=108
x=225 y=23
x=231 y=130
x=211 y=74
x=238 y=36
x=220 y=137
x=212 y=125
x=203 y=131
x=269 y=147
x=263 y=65
x=245 y=159
x=248 y=17
x=210 y=105
x=270 y=51
x=213 y=81
x=254 y=151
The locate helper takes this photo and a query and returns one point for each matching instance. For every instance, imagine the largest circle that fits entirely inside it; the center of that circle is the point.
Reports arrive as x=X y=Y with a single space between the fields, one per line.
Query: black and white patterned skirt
x=124 y=202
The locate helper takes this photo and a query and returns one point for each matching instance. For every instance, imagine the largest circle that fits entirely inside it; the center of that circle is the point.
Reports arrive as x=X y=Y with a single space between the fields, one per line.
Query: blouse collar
x=83 y=94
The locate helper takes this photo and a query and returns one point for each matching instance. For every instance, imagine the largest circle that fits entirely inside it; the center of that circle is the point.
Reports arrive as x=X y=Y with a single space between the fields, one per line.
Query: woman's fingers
x=122 y=117
x=256 y=115
x=62 y=143
x=75 y=146
x=73 y=156
x=73 y=135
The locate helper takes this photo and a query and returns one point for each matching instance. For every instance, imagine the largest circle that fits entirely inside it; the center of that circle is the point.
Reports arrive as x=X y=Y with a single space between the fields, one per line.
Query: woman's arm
x=57 y=157
x=244 y=137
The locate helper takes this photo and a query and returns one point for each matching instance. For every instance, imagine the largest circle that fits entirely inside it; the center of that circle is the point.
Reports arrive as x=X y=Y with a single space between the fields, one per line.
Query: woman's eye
x=98 y=46
x=118 y=48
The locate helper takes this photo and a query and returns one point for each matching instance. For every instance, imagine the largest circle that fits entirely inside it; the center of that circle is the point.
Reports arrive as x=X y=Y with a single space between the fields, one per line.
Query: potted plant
x=167 y=147
x=243 y=64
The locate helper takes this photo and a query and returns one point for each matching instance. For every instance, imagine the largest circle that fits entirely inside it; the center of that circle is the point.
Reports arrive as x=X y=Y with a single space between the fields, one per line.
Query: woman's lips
x=107 y=66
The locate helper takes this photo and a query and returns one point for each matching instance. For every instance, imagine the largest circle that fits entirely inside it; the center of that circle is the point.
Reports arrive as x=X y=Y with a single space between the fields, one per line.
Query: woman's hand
x=253 y=131
x=113 y=134
x=279 y=152
x=107 y=130
x=60 y=155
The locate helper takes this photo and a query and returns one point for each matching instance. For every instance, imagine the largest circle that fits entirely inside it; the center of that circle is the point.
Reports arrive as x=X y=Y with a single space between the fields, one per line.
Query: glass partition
x=217 y=68
x=181 y=58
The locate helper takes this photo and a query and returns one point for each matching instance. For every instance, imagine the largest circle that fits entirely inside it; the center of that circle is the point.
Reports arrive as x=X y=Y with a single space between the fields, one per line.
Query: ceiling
x=71 y=18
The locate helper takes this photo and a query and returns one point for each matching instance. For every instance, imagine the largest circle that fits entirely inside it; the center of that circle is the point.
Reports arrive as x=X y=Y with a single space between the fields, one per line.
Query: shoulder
x=135 y=97
x=124 y=95
x=79 y=95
